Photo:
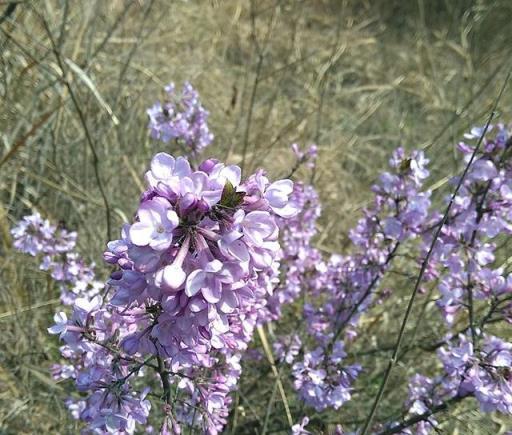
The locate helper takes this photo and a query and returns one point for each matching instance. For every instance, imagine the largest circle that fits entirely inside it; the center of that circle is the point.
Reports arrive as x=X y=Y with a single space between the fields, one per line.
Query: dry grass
x=357 y=77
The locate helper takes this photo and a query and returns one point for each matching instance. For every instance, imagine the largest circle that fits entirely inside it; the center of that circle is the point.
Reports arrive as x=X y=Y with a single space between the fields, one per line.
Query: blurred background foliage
x=357 y=77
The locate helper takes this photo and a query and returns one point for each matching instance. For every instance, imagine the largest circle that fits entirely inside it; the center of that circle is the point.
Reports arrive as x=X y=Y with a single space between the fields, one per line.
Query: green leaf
x=230 y=197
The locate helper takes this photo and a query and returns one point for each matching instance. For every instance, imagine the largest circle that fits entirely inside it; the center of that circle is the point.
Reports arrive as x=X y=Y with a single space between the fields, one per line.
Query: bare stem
x=251 y=108
x=164 y=376
x=367 y=292
x=81 y=116
x=422 y=417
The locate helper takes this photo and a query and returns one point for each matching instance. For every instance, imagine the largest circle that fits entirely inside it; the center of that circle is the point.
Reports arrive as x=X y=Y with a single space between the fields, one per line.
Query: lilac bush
x=210 y=256
x=299 y=258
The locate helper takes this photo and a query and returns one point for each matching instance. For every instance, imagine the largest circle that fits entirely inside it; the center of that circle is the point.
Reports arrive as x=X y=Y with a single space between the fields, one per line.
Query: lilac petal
x=392 y=228
x=195 y=281
x=182 y=168
x=228 y=302
x=140 y=233
x=232 y=173
x=212 y=293
x=213 y=266
x=161 y=241
x=172 y=220
x=197 y=304
x=173 y=276
x=239 y=250
x=162 y=165
x=288 y=211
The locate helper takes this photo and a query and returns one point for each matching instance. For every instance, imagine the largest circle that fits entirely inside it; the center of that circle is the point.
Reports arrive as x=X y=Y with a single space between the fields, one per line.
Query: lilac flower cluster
x=98 y=367
x=420 y=400
x=322 y=380
x=181 y=117
x=344 y=287
x=462 y=262
x=34 y=235
x=212 y=397
x=55 y=245
x=201 y=243
x=299 y=258
x=195 y=270
x=472 y=289
x=484 y=374
x=397 y=214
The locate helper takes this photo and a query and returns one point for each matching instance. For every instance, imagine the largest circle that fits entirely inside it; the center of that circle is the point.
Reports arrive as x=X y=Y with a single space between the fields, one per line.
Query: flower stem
x=164 y=376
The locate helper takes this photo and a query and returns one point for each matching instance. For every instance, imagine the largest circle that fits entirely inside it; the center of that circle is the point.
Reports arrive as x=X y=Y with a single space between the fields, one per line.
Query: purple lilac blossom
x=462 y=265
x=484 y=374
x=34 y=235
x=54 y=246
x=181 y=117
x=194 y=273
x=342 y=288
x=464 y=255
x=199 y=268
x=301 y=261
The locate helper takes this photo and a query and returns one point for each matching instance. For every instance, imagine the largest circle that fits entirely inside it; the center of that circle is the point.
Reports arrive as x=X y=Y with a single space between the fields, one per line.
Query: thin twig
x=276 y=372
x=29 y=308
x=422 y=417
x=9 y=10
x=269 y=408
x=81 y=115
x=250 y=111
x=124 y=68
x=164 y=376
x=23 y=139
x=110 y=32
x=466 y=106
